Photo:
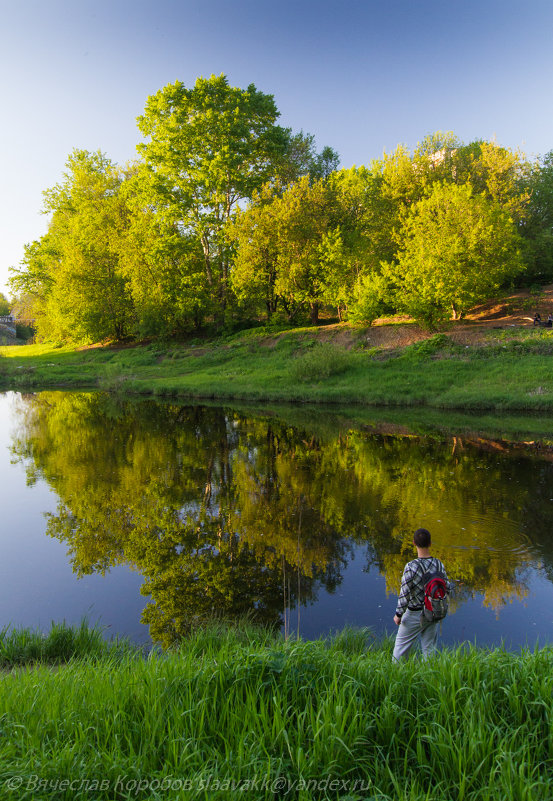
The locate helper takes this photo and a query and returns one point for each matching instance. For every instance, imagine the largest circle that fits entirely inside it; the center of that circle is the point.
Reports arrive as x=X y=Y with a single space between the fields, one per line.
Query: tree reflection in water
x=226 y=514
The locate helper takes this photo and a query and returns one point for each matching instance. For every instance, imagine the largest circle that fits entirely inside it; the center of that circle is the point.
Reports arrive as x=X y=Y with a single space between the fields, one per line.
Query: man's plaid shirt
x=411 y=593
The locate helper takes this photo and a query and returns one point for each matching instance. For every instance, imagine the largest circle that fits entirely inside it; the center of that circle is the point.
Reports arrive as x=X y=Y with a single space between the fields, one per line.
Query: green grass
x=242 y=713
x=508 y=374
x=60 y=644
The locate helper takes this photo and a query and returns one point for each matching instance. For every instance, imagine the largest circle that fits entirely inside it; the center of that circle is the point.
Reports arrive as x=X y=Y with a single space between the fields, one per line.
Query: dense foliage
x=227 y=217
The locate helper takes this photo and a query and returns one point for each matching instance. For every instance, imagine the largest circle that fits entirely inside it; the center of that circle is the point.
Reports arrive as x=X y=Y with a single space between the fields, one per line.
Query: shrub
x=321 y=361
x=428 y=347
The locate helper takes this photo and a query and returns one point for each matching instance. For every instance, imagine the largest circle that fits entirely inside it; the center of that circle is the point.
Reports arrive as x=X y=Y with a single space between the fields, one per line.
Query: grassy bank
x=242 y=713
x=508 y=373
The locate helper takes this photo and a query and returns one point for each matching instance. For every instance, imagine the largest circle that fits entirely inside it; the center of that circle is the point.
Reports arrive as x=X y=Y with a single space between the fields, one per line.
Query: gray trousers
x=408 y=632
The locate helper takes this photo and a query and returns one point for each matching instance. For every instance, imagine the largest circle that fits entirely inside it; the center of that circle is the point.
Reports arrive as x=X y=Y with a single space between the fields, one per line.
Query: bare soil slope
x=512 y=312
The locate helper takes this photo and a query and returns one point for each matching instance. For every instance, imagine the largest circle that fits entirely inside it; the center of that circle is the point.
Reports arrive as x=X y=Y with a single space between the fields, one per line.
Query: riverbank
x=504 y=370
x=242 y=713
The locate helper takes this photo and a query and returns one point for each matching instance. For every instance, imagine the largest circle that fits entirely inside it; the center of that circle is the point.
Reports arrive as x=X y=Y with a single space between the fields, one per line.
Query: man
x=411 y=600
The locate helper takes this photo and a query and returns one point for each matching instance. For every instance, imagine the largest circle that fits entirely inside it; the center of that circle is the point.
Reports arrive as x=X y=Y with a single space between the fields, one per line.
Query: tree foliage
x=457 y=248
x=207 y=149
x=228 y=217
x=4 y=305
x=289 y=248
x=538 y=224
x=73 y=273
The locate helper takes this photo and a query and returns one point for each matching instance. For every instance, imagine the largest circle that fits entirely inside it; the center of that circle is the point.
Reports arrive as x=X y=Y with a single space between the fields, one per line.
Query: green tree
x=254 y=233
x=300 y=158
x=4 y=305
x=456 y=248
x=537 y=229
x=207 y=149
x=366 y=220
x=163 y=265
x=498 y=173
x=73 y=272
x=372 y=297
x=288 y=248
x=32 y=281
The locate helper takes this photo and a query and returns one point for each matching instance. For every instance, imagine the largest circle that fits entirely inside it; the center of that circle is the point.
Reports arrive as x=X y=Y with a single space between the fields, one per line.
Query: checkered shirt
x=412 y=586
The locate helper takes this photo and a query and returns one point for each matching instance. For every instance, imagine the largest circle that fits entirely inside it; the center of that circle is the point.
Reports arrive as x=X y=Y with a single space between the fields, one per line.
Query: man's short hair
x=422 y=538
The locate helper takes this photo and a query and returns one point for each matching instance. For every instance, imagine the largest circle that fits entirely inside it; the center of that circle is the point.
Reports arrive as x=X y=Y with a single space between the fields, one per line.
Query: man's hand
x=397 y=620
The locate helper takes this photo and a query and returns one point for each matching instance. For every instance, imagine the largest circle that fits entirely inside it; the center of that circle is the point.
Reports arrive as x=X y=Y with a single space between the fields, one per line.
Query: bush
x=321 y=361
x=428 y=347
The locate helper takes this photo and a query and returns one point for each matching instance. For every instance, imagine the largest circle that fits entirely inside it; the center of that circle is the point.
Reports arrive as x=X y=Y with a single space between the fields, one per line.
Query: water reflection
x=223 y=513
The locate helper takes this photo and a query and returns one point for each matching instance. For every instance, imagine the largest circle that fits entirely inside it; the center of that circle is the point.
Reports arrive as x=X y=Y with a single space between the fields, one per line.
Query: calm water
x=151 y=517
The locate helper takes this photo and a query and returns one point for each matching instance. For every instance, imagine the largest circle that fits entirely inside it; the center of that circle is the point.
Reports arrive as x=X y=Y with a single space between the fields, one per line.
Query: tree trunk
x=314 y=313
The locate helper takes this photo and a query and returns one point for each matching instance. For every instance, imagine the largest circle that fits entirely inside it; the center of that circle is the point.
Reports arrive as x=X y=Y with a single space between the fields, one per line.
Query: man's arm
x=404 y=592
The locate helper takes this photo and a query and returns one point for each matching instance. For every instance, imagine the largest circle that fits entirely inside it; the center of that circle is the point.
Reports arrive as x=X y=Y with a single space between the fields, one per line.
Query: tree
x=537 y=229
x=32 y=281
x=208 y=148
x=496 y=172
x=73 y=272
x=163 y=265
x=300 y=158
x=4 y=305
x=309 y=246
x=289 y=248
x=371 y=298
x=255 y=236
x=456 y=248
x=366 y=219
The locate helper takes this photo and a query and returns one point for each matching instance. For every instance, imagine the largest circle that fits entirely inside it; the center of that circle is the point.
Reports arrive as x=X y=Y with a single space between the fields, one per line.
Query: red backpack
x=436 y=601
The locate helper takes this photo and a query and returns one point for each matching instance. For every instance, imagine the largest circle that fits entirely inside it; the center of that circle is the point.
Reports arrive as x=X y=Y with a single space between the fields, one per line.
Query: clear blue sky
x=361 y=75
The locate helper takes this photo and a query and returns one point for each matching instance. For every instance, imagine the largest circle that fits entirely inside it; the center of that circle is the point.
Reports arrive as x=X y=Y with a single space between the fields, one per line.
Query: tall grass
x=321 y=361
x=63 y=642
x=239 y=713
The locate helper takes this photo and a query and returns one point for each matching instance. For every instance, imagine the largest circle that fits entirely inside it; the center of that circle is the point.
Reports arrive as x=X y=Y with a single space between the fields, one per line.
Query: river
x=149 y=518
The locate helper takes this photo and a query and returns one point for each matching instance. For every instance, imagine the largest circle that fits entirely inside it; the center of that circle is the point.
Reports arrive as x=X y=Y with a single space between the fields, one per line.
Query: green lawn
x=513 y=375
